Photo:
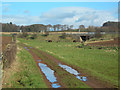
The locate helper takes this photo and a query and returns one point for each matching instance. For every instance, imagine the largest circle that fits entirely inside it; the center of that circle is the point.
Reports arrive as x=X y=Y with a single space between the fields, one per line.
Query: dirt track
x=92 y=82
x=38 y=58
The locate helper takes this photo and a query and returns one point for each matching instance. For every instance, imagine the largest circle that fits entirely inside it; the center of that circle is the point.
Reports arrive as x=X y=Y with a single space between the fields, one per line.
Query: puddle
x=56 y=85
x=78 y=77
x=39 y=60
x=49 y=73
x=26 y=48
x=69 y=69
x=82 y=78
x=74 y=72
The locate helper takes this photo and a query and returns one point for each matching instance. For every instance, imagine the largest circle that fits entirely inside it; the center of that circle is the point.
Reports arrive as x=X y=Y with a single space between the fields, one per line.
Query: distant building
x=20 y=31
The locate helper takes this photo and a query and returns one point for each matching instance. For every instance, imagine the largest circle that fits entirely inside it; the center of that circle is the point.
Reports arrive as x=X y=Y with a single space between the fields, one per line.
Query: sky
x=70 y=13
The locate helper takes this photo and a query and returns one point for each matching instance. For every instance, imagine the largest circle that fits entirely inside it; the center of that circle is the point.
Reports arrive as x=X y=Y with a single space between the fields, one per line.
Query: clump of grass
x=63 y=36
x=45 y=34
x=23 y=35
x=33 y=36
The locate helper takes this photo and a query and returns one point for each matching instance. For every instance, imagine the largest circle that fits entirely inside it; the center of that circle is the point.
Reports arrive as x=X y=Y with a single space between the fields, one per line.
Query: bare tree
x=71 y=27
x=81 y=27
x=91 y=29
x=62 y=27
x=58 y=26
x=49 y=27
x=65 y=27
x=55 y=27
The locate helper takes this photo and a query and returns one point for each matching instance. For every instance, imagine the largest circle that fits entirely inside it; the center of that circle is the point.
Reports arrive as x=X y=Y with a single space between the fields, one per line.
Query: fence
x=7 y=57
x=9 y=54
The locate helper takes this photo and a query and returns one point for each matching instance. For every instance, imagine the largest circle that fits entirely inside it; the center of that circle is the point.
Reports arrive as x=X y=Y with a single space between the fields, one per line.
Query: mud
x=48 y=74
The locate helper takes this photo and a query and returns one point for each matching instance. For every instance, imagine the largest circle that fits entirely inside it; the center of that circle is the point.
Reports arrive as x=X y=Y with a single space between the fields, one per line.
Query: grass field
x=99 y=63
x=66 y=79
x=24 y=72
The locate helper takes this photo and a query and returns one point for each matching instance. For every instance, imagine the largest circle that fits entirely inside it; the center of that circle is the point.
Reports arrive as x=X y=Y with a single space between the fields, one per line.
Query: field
x=111 y=43
x=59 y=45
x=94 y=62
x=100 y=66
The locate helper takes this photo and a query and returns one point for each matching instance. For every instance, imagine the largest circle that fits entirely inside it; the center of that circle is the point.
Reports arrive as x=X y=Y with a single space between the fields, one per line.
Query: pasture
x=101 y=64
x=98 y=65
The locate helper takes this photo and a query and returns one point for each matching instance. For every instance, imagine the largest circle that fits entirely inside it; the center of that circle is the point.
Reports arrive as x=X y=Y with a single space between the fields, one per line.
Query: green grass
x=67 y=79
x=101 y=64
x=28 y=75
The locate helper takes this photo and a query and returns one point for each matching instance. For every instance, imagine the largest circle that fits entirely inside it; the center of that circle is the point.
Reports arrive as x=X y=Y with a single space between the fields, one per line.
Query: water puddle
x=56 y=85
x=69 y=69
x=39 y=60
x=82 y=78
x=26 y=48
x=49 y=73
x=73 y=71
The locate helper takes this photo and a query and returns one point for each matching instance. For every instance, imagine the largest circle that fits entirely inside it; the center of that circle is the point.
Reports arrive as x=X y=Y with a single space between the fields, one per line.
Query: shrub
x=46 y=34
x=23 y=35
x=49 y=40
x=34 y=36
x=98 y=34
x=63 y=36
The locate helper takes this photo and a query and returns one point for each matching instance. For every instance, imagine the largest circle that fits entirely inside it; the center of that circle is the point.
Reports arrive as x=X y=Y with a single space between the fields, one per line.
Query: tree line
x=107 y=27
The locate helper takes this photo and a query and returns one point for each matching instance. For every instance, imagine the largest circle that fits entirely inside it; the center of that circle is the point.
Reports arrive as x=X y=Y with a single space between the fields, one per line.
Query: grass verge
x=27 y=74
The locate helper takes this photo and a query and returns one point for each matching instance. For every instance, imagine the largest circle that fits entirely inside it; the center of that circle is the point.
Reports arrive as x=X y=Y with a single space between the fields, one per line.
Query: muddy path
x=92 y=82
x=64 y=78
x=38 y=61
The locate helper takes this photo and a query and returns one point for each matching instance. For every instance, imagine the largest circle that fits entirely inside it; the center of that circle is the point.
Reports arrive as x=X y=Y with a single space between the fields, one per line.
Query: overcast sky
x=76 y=13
